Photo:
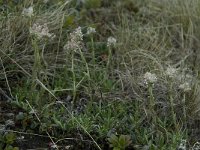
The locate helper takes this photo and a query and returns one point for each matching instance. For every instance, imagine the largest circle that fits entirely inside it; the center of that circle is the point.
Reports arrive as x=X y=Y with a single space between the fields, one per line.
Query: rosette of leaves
x=119 y=142
x=7 y=140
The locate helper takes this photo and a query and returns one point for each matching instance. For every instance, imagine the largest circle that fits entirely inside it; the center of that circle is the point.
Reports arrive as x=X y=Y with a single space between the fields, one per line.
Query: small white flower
x=150 y=78
x=185 y=87
x=171 y=72
x=182 y=145
x=91 y=30
x=75 y=41
x=111 y=41
x=41 y=31
x=77 y=34
x=28 y=11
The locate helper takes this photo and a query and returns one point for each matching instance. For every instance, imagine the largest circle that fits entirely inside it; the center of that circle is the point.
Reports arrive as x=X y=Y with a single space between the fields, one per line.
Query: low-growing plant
x=6 y=141
x=119 y=142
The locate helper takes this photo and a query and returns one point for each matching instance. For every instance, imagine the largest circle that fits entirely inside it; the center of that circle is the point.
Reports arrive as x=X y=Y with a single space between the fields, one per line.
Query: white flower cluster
x=111 y=41
x=150 y=78
x=41 y=31
x=91 y=30
x=182 y=145
x=171 y=72
x=184 y=79
x=75 y=41
x=28 y=12
x=185 y=87
x=77 y=34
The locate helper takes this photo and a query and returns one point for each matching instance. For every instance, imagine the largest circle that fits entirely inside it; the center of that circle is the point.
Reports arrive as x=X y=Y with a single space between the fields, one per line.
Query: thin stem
x=172 y=103
x=93 y=52
x=152 y=101
x=184 y=109
x=86 y=64
x=74 y=79
x=109 y=58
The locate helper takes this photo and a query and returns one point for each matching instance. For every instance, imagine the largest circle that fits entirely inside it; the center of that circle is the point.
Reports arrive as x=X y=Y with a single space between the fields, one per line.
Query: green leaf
x=124 y=141
x=10 y=138
x=113 y=140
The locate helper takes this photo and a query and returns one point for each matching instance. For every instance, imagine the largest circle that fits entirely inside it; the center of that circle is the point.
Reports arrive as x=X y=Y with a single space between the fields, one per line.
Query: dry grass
x=155 y=36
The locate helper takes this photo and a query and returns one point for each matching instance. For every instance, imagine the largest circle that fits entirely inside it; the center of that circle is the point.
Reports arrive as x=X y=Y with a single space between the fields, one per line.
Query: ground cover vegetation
x=99 y=74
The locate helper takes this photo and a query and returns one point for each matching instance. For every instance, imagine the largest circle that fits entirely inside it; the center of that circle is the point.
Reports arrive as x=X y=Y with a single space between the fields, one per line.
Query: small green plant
x=150 y=79
x=119 y=143
x=7 y=140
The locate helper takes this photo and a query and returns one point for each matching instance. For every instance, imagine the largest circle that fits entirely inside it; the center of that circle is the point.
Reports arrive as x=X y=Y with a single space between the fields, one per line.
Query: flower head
x=182 y=145
x=28 y=11
x=77 y=34
x=41 y=31
x=150 y=78
x=186 y=77
x=171 y=72
x=111 y=41
x=185 y=87
x=91 y=30
x=75 y=41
